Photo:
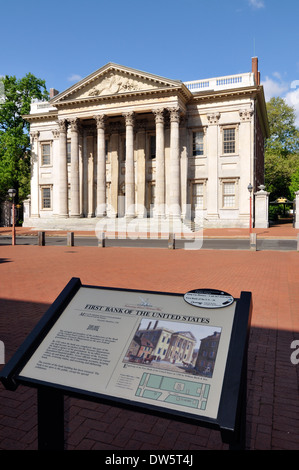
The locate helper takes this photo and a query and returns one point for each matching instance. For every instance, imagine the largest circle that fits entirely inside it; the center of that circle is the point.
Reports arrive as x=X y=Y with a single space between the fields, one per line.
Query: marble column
x=174 y=195
x=63 y=183
x=75 y=179
x=159 y=209
x=129 y=180
x=85 y=175
x=141 y=168
x=34 y=191
x=101 y=209
x=90 y=171
x=115 y=171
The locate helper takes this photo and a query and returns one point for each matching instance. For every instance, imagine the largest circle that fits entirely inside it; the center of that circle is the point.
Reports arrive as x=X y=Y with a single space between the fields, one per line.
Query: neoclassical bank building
x=123 y=143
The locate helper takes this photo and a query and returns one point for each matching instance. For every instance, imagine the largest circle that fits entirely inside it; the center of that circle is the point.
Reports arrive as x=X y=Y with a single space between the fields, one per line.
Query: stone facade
x=129 y=144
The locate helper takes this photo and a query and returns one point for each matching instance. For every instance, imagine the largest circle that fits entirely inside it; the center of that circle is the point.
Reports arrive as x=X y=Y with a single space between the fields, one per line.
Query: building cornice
x=223 y=94
x=49 y=116
x=181 y=91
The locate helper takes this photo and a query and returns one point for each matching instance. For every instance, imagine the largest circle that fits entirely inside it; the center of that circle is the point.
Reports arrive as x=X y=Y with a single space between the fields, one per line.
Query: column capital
x=213 y=118
x=74 y=123
x=34 y=136
x=246 y=114
x=159 y=115
x=174 y=114
x=129 y=118
x=55 y=133
x=62 y=124
x=100 y=121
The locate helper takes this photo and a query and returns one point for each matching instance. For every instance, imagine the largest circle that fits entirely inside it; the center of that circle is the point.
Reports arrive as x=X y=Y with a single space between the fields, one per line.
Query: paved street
x=33 y=276
x=206 y=244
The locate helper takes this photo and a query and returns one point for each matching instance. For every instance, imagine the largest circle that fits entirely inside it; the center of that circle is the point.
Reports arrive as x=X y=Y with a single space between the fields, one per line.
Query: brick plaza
x=33 y=276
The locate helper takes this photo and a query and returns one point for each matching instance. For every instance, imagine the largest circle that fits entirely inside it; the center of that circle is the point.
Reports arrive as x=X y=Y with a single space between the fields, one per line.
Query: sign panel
x=168 y=351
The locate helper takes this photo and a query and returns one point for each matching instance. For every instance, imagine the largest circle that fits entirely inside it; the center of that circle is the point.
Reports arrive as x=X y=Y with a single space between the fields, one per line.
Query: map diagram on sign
x=174 y=391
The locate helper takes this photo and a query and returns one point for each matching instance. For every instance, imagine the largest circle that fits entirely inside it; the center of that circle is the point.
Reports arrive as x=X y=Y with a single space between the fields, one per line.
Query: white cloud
x=288 y=91
x=292 y=99
x=74 y=77
x=257 y=3
x=274 y=87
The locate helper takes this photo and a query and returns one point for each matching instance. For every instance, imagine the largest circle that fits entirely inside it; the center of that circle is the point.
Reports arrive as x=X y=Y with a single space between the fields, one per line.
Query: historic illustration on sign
x=173 y=346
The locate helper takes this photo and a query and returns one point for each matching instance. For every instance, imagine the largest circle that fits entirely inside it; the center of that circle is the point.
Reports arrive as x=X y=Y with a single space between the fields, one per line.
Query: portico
x=103 y=165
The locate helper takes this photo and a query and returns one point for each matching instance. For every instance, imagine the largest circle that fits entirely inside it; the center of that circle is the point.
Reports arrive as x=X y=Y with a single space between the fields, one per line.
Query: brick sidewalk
x=33 y=276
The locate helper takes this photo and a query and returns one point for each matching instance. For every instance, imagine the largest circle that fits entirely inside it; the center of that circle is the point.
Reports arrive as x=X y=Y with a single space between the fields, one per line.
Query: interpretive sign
x=159 y=351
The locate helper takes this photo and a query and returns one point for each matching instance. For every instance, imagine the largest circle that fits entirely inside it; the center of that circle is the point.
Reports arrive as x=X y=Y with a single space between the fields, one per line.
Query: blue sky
x=64 y=41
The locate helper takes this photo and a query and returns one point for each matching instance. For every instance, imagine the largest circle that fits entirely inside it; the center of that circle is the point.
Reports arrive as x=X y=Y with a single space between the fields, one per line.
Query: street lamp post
x=250 y=188
x=12 y=193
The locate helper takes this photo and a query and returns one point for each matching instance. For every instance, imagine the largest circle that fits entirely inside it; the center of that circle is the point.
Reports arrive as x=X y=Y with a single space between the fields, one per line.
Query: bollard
x=101 y=242
x=41 y=238
x=70 y=238
x=253 y=242
x=171 y=241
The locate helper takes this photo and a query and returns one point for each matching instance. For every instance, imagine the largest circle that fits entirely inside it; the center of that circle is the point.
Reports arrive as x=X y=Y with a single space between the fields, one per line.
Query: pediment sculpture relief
x=113 y=84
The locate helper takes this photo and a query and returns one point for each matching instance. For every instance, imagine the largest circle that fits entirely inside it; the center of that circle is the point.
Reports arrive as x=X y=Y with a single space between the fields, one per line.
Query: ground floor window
x=46 y=197
x=197 y=195
x=229 y=194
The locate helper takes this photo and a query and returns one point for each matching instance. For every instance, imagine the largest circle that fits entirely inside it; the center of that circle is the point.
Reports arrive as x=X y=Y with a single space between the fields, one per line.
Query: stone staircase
x=139 y=226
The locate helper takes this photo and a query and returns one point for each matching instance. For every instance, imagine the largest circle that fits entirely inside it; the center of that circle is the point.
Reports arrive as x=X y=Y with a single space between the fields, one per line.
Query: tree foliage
x=14 y=132
x=282 y=149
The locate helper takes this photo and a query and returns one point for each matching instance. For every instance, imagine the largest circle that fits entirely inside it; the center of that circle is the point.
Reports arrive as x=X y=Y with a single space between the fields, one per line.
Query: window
x=152 y=146
x=229 y=194
x=106 y=148
x=46 y=154
x=229 y=140
x=46 y=197
x=68 y=152
x=197 y=143
x=197 y=196
x=151 y=194
x=124 y=150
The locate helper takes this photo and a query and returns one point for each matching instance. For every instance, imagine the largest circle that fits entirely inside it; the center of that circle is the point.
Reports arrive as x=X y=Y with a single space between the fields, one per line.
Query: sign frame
x=230 y=420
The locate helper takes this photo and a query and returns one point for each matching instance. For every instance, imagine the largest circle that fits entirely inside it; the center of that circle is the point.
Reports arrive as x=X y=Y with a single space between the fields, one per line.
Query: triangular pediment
x=113 y=80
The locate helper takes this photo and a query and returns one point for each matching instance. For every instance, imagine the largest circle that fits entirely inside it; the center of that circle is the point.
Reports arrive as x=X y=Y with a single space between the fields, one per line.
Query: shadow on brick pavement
x=272 y=393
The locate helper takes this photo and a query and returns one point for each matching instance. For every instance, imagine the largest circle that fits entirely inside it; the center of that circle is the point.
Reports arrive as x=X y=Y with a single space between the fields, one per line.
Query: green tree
x=14 y=132
x=282 y=149
x=294 y=186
